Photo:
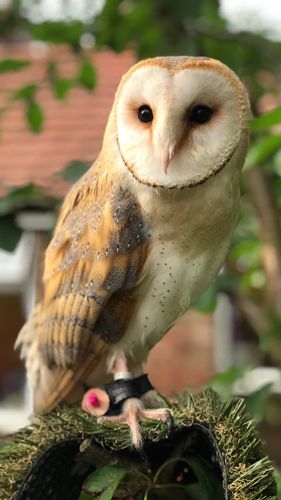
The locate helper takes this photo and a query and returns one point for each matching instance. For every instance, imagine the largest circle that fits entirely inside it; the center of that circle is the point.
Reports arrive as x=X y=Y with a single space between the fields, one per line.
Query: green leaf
x=266 y=121
x=223 y=382
x=261 y=150
x=252 y=279
x=272 y=334
x=193 y=492
x=34 y=116
x=12 y=65
x=178 y=491
x=52 y=71
x=73 y=171
x=58 y=32
x=26 y=92
x=277 y=476
x=28 y=195
x=247 y=248
x=10 y=233
x=207 y=302
x=61 y=88
x=85 y=496
x=103 y=482
x=256 y=402
x=87 y=76
x=226 y=282
x=207 y=479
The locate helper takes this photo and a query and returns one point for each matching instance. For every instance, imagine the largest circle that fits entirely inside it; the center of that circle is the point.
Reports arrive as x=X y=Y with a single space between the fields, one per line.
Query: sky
x=253 y=14
x=55 y=9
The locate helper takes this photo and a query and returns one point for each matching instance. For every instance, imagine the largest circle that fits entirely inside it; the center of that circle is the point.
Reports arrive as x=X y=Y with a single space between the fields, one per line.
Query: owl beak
x=167 y=157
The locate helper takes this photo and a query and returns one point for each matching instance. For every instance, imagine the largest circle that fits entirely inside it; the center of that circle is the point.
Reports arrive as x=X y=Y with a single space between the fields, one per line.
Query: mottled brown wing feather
x=93 y=265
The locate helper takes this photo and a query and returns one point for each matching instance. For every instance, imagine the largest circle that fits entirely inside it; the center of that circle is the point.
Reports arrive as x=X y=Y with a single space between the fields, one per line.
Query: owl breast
x=190 y=236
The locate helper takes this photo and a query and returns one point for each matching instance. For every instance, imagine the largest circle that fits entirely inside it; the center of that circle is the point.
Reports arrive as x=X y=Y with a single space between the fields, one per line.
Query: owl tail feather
x=61 y=385
x=52 y=385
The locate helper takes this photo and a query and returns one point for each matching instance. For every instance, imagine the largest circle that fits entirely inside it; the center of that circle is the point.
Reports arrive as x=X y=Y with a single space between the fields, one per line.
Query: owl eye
x=200 y=114
x=145 y=114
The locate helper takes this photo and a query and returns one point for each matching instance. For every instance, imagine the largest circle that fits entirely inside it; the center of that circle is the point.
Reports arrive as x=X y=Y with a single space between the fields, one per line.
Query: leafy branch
x=60 y=87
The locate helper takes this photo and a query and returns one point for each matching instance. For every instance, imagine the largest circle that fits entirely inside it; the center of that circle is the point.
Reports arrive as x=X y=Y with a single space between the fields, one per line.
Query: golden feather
x=92 y=268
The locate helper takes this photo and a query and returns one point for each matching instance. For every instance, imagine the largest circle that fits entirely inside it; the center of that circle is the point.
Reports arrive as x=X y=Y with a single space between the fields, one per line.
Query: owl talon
x=130 y=416
x=120 y=403
x=133 y=412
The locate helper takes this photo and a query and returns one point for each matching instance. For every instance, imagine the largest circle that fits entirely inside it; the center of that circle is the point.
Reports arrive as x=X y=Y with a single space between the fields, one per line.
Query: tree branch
x=262 y=198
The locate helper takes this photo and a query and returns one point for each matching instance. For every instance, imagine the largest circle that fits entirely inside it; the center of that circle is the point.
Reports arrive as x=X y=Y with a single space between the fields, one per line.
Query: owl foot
x=133 y=412
x=120 y=403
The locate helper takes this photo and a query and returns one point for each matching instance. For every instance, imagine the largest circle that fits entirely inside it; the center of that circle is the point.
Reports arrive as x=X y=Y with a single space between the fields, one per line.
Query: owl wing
x=92 y=268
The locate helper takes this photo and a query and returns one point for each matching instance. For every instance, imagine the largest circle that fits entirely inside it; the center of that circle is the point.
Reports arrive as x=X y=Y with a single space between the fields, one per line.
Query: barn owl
x=143 y=233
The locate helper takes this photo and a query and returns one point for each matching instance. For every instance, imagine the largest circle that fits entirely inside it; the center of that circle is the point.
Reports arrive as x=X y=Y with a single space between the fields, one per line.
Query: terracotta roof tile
x=73 y=129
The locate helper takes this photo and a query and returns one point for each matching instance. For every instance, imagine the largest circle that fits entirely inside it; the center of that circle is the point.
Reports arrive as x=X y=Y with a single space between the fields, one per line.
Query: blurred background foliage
x=252 y=274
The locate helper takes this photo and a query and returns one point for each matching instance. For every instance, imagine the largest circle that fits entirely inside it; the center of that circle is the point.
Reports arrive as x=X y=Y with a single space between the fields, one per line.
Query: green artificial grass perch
x=213 y=452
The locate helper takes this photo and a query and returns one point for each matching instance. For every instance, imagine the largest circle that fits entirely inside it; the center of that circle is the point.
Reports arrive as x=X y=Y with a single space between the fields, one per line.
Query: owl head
x=180 y=120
